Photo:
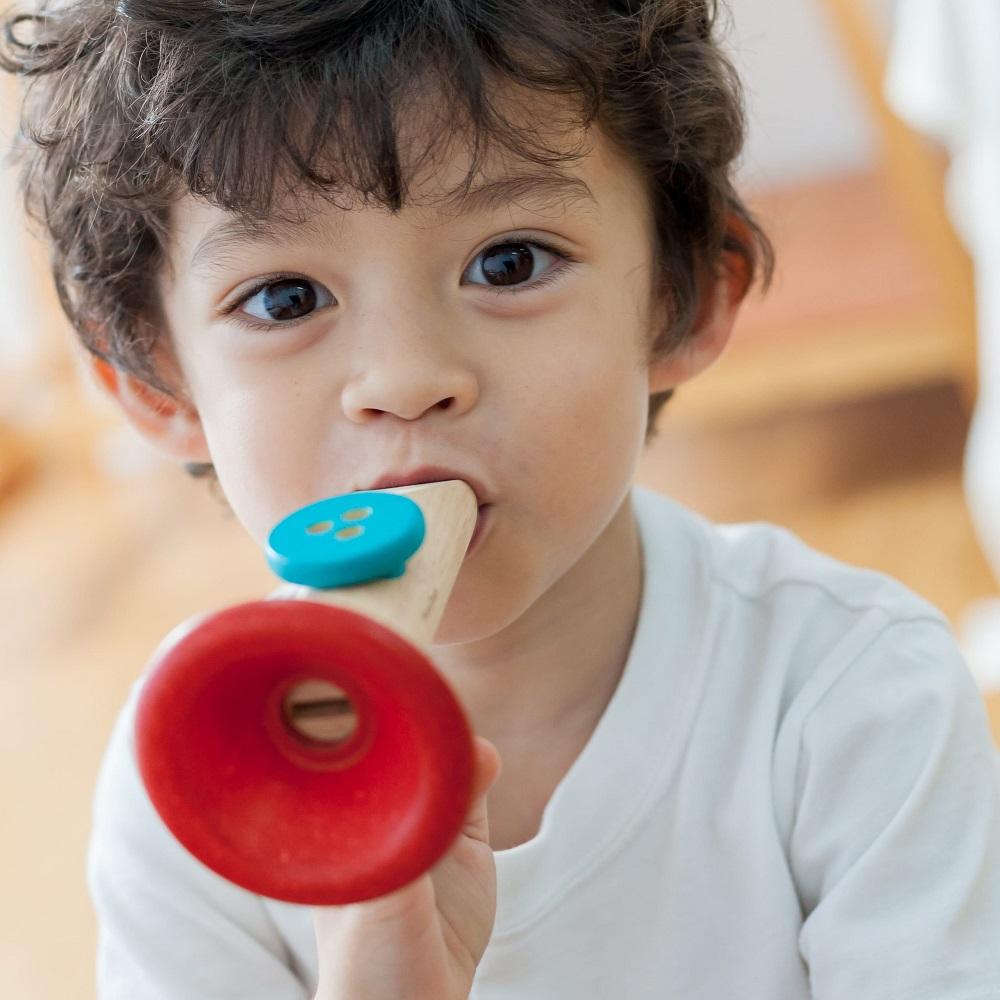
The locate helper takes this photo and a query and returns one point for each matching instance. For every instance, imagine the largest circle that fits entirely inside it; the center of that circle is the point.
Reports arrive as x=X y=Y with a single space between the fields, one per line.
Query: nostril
x=446 y=403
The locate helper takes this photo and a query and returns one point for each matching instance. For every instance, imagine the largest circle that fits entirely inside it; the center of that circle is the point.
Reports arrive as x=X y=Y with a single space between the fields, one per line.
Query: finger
x=487 y=769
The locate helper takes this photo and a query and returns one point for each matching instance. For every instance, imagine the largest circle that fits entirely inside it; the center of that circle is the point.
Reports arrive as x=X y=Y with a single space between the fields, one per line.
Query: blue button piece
x=348 y=539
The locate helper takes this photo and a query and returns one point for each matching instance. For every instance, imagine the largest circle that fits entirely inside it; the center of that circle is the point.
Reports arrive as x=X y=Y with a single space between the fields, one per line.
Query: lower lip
x=482 y=522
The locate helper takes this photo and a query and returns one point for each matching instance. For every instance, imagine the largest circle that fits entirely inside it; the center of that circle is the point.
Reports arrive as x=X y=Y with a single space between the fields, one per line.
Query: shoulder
x=762 y=563
x=766 y=577
x=790 y=621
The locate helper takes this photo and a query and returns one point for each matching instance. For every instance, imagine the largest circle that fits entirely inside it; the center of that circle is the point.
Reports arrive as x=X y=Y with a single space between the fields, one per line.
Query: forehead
x=450 y=173
x=222 y=234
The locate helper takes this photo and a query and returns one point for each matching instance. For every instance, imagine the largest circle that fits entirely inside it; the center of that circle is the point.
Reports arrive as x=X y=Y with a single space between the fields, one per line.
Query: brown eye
x=510 y=266
x=282 y=300
x=287 y=299
x=508 y=263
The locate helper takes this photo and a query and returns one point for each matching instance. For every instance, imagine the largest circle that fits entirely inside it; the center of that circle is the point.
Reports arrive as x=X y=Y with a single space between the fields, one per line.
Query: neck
x=555 y=669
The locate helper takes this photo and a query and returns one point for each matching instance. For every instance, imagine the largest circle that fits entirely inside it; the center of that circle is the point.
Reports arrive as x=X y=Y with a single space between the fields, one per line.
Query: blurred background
x=856 y=406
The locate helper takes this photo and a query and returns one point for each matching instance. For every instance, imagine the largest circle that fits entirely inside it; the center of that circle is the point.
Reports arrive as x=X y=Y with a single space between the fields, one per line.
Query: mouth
x=441 y=474
x=483 y=520
x=432 y=474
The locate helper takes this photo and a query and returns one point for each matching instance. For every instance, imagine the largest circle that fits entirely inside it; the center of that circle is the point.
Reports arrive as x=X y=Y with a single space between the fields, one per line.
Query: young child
x=310 y=244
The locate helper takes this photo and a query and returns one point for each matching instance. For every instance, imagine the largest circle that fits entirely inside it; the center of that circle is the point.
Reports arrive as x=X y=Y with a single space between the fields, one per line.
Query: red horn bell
x=257 y=796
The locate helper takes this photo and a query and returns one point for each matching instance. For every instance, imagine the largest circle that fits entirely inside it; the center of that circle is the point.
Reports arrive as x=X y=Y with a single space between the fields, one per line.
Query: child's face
x=395 y=345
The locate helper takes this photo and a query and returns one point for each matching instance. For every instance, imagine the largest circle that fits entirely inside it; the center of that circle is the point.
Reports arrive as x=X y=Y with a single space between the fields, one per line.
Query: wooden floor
x=93 y=572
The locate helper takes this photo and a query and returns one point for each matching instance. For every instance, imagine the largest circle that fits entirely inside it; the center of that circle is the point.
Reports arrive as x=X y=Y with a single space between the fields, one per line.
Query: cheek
x=263 y=456
x=581 y=420
x=598 y=383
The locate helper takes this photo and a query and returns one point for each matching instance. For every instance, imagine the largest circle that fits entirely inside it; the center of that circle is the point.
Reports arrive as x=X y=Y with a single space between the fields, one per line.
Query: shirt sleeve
x=895 y=846
x=168 y=927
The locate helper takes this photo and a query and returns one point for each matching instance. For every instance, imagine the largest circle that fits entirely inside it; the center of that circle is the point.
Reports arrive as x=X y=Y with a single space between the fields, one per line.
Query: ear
x=171 y=425
x=720 y=302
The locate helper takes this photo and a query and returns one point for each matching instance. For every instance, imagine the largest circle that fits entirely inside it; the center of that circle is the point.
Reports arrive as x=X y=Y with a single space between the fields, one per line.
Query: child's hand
x=424 y=941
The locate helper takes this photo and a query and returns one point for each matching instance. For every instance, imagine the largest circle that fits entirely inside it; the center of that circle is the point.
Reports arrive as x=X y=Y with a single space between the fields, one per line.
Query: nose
x=409 y=380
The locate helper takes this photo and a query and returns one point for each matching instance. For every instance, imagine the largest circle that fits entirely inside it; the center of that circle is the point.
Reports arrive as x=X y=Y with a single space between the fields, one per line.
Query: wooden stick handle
x=412 y=604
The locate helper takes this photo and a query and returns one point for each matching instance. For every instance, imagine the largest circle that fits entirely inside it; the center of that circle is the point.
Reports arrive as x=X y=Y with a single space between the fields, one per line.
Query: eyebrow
x=222 y=243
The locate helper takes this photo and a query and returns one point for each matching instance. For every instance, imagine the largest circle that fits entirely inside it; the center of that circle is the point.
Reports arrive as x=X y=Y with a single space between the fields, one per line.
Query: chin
x=470 y=618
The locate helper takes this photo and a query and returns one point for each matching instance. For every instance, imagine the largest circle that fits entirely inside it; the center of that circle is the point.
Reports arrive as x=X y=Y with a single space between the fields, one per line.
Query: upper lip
x=430 y=474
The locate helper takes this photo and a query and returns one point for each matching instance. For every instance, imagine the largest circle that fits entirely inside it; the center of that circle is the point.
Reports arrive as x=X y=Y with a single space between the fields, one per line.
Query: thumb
x=487 y=769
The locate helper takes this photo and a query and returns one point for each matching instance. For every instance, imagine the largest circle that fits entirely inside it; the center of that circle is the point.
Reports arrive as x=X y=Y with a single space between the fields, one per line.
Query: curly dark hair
x=129 y=105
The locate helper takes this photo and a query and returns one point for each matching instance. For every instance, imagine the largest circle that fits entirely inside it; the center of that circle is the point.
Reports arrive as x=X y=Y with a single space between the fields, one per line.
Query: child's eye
x=510 y=265
x=282 y=301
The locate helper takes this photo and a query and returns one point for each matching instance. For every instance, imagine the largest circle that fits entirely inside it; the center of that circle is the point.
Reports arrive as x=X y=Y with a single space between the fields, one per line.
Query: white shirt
x=792 y=793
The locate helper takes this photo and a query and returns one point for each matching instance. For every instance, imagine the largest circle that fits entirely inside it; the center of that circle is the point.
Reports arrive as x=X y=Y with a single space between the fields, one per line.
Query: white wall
x=807 y=116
